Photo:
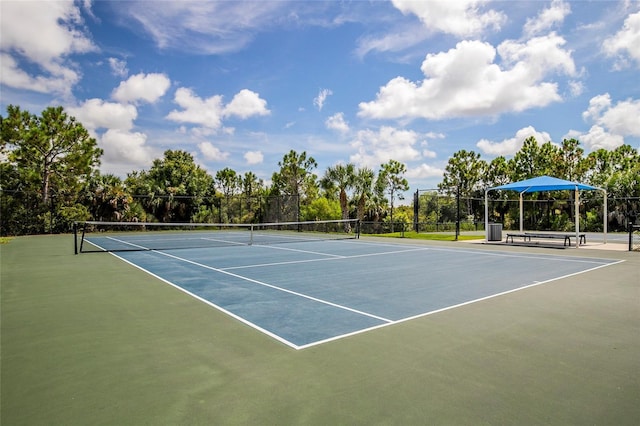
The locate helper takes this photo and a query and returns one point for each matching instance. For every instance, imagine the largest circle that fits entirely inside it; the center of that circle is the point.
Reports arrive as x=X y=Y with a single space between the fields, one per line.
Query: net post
x=251 y=235
x=82 y=238
x=358 y=229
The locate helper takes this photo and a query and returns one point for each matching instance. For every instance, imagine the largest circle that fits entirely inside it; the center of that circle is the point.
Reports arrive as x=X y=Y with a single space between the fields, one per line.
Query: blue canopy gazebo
x=545 y=183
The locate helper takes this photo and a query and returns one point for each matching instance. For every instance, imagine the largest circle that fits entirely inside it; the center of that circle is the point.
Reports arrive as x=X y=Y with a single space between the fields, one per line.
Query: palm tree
x=362 y=186
x=377 y=205
x=342 y=176
x=108 y=197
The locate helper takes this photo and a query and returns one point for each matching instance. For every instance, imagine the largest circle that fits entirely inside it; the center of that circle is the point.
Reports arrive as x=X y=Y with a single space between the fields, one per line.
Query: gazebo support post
x=577 y=216
x=604 y=225
x=486 y=215
x=521 y=213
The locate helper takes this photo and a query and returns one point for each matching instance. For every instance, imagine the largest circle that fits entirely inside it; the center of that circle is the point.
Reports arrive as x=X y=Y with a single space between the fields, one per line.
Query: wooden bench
x=527 y=236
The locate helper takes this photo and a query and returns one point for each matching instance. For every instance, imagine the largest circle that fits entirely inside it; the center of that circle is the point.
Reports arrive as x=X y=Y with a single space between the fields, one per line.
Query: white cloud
x=610 y=123
x=210 y=112
x=427 y=153
x=246 y=104
x=211 y=152
x=97 y=114
x=512 y=145
x=396 y=40
x=625 y=44
x=253 y=157
x=205 y=27
x=337 y=122
x=424 y=171
x=319 y=100
x=461 y=18
x=597 y=138
x=111 y=124
x=377 y=147
x=59 y=26
x=60 y=33
x=537 y=58
x=142 y=87
x=597 y=105
x=123 y=149
x=118 y=67
x=576 y=88
x=205 y=112
x=466 y=81
x=547 y=18
x=621 y=119
x=12 y=76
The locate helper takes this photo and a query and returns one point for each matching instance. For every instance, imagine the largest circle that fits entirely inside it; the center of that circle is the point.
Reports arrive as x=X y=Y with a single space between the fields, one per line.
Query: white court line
x=554 y=258
x=336 y=257
x=557 y=258
x=128 y=243
x=289 y=262
x=231 y=243
x=297 y=250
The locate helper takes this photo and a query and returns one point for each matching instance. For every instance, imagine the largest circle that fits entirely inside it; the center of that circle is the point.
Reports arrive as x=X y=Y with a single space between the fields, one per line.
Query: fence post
x=457 y=212
x=416 y=209
x=75 y=237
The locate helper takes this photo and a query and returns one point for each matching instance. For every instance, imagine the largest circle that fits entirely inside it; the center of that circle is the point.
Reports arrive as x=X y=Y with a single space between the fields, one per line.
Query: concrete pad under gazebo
x=545 y=183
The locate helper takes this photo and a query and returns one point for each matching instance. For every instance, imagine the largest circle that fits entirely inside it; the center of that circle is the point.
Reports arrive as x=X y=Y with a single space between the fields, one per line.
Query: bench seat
x=527 y=236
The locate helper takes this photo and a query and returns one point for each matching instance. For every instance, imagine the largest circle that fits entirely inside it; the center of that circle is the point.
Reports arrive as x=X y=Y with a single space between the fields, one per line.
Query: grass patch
x=436 y=236
x=5 y=240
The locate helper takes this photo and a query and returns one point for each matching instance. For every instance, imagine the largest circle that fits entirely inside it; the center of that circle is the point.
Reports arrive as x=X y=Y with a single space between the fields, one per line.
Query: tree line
x=616 y=171
x=50 y=177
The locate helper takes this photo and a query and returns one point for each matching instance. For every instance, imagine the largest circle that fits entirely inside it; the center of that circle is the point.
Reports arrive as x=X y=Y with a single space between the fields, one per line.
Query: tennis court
x=305 y=292
x=91 y=339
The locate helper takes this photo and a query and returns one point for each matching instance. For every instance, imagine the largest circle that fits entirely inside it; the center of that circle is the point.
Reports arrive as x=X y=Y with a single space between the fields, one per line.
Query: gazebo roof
x=544 y=183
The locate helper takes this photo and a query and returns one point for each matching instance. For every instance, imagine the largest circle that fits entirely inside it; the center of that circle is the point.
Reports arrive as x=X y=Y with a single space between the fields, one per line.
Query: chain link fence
x=434 y=211
x=25 y=213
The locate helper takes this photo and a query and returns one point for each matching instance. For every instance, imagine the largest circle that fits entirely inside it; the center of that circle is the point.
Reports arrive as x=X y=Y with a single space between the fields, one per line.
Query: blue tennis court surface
x=307 y=293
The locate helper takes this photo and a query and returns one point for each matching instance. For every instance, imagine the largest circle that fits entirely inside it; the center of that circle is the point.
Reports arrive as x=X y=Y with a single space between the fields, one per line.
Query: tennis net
x=93 y=236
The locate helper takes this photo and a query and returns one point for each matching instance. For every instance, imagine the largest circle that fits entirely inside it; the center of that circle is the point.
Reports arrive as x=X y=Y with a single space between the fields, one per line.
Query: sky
x=238 y=84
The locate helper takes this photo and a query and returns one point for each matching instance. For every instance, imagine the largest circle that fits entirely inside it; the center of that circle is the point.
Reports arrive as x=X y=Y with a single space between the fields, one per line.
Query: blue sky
x=239 y=84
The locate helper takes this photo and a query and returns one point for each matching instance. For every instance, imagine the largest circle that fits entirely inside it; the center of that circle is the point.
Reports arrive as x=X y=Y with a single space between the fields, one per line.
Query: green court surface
x=90 y=339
